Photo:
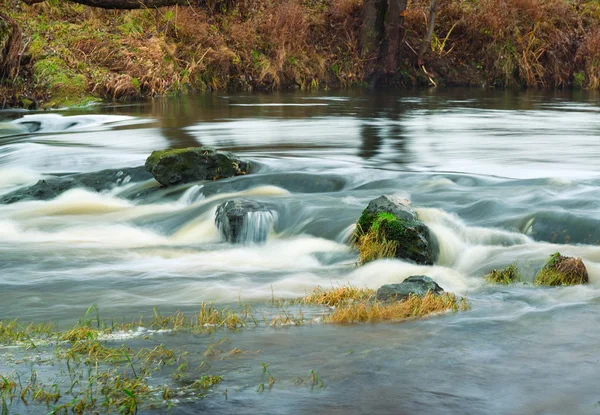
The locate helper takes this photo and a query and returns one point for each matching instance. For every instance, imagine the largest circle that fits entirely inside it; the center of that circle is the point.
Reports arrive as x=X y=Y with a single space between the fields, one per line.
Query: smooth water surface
x=498 y=176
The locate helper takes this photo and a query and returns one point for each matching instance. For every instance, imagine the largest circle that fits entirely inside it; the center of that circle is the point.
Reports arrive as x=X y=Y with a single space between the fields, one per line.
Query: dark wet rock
x=417 y=285
x=391 y=222
x=107 y=179
x=43 y=190
x=178 y=166
x=292 y=182
x=49 y=188
x=244 y=221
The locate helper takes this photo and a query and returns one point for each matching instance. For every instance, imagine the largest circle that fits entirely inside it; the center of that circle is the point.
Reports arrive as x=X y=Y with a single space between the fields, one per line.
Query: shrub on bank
x=119 y=55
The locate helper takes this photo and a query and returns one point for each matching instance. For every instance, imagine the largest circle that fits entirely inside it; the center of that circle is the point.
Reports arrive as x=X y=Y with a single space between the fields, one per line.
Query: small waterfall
x=256 y=226
x=245 y=221
x=192 y=195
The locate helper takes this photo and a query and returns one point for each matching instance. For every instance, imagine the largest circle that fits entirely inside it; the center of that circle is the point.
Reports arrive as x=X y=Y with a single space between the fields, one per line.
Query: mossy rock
x=562 y=270
x=172 y=167
x=507 y=275
x=390 y=228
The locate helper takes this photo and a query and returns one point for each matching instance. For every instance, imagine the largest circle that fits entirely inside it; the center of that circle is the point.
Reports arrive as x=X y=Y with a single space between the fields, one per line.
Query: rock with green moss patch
x=172 y=167
x=416 y=285
x=562 y=270
x=390 y=228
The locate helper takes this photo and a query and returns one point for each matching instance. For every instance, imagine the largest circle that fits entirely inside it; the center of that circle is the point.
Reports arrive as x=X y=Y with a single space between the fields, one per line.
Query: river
x=497 y=176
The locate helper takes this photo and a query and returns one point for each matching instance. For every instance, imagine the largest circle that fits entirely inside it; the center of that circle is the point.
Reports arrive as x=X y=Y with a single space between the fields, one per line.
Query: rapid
x=498 y=177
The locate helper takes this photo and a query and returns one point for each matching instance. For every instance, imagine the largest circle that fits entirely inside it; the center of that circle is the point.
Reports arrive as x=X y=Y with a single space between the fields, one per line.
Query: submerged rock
x=390 y=228
x=43 y=190
x=417 y=285
x=244 y=221
x=49 y=188
x=562 y=270
x=171 y=167
x=562 y=228
x=107 y=179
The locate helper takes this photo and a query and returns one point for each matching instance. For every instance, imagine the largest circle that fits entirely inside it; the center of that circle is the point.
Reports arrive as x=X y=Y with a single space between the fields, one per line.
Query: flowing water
x=498 y=176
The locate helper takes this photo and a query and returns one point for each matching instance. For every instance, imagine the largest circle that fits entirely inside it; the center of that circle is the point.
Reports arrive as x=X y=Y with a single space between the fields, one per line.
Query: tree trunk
x=125 y=4
x=371 y=30
x=11 y=37
x=394 y=22
x=381 y=36
x=427 y=39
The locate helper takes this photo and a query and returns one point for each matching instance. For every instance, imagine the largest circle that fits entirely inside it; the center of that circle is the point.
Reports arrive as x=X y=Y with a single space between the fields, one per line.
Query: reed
x=508 y=275
x=336 y=295
x=412 y=307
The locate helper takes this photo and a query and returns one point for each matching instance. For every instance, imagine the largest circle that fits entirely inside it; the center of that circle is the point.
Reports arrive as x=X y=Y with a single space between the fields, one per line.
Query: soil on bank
x=73 y=54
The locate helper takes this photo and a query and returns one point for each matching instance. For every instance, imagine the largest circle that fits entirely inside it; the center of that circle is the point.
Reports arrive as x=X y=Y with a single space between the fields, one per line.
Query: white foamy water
x=482 y=170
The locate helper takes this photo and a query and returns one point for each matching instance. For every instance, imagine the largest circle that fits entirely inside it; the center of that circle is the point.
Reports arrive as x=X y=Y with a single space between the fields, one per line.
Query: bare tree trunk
x=124 y=4
x=394 y=23
x=371 y=29
x=427 y=39
x=381 y=36
x=11 y=38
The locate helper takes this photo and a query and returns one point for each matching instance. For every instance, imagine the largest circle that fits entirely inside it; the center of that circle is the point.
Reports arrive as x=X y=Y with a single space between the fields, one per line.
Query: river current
x=497 y=176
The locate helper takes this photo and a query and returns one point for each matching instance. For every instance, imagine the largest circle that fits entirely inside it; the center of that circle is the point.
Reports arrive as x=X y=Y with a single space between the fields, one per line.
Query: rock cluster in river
x=389 y=227
x=177 y=166
x=51 y=187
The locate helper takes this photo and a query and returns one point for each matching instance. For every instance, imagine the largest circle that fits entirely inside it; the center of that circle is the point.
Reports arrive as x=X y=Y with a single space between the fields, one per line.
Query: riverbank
x=76 y=54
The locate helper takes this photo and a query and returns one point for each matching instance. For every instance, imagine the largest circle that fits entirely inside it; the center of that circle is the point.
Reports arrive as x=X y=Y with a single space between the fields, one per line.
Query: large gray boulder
x=244 y=221
x=417 y=285
x=51 y=187
x=184 y=165
x=392 y=219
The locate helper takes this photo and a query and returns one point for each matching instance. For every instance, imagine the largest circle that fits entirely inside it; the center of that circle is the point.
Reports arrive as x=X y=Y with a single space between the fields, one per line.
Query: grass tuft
x=374 y=245
x=561 y=270
x=335 y=296
x=412 y=307
x=508 y=275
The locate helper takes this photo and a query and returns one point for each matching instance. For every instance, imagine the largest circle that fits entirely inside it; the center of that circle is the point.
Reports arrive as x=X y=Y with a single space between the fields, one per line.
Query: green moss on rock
x=389 y=228
x=176 y=166
x=561 y=270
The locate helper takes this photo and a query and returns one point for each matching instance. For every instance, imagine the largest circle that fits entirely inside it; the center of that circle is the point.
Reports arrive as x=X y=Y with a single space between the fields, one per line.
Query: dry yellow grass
x=373 y=245
x=413 y=307
x=335 y=296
